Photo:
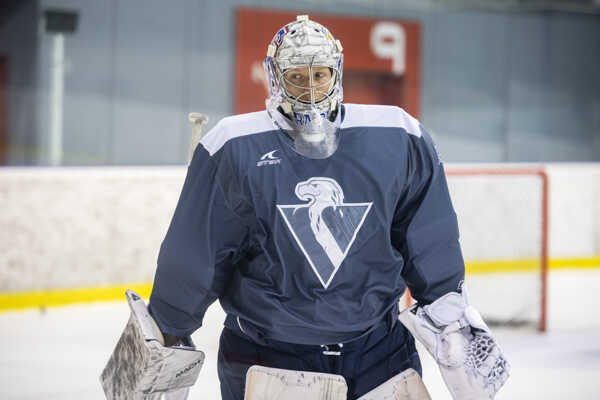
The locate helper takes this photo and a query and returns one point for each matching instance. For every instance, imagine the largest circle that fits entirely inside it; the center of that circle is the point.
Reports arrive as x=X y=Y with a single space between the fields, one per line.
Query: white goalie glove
x=141 y=367
x=471 y=363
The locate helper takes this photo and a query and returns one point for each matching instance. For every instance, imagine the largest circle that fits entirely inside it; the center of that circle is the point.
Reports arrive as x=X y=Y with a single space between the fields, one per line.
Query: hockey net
x=503 y=221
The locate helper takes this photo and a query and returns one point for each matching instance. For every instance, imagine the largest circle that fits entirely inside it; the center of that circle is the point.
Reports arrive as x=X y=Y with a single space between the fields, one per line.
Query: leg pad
x=264 y=383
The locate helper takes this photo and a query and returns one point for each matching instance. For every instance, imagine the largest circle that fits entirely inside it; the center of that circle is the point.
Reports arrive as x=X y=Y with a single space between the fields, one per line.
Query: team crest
x=325 y=227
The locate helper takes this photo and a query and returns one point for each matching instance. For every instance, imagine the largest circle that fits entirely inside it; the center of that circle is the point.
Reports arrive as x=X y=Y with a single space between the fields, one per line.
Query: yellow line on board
x=530 y=264
x=485 y=267
x=61 y=297
x=564 y=263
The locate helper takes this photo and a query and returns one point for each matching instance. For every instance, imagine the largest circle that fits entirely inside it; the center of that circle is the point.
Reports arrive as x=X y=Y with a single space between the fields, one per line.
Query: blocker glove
x=471 y=363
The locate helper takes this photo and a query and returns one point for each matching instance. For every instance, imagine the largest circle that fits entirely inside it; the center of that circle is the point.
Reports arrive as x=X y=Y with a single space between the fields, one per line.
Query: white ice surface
x=59 y=353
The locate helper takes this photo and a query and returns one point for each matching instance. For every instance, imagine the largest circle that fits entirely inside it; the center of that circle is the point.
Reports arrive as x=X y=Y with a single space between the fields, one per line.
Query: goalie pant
x=365 y=362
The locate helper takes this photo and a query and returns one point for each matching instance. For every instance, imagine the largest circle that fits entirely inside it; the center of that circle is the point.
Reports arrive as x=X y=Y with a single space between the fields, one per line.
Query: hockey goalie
x=308 y=221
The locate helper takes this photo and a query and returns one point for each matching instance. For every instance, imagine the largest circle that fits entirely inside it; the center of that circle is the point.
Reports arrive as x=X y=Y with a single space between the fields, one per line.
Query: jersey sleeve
x=205 y=238
x=425 y=227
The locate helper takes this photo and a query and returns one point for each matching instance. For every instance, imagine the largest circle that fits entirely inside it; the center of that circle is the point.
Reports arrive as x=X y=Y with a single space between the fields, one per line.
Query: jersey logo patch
x=325 y=227
x=268 y=159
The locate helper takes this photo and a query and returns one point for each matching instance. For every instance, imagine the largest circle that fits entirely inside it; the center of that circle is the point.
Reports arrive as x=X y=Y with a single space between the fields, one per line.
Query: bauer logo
x=325 y=227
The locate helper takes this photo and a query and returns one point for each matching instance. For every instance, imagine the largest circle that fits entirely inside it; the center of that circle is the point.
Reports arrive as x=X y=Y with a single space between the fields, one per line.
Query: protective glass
x=310 y=133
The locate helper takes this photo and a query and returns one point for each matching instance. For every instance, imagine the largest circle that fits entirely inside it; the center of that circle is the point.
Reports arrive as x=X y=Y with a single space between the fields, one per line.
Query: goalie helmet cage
x=503 y=221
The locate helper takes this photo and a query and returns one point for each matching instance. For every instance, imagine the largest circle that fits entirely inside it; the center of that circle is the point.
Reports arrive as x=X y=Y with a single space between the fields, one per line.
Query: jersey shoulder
x=235 y=126
x=380 y=116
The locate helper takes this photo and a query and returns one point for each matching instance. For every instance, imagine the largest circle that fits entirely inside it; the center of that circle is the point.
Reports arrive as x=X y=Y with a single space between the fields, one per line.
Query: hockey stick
x=199 y=121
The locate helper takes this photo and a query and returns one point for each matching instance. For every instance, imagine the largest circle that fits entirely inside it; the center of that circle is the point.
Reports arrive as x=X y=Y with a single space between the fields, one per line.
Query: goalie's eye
x=296 y=78
x=301 y=76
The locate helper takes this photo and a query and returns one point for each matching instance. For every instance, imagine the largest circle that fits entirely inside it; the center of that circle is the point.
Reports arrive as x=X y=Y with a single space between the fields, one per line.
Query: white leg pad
x=407 y=385
x=264 y=383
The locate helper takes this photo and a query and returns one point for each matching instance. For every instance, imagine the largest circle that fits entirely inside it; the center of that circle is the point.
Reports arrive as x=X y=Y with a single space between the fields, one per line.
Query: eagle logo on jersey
x=325 y=227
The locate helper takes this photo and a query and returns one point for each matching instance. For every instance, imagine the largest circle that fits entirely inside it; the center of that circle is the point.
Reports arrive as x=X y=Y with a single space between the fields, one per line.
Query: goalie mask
x=304 y=71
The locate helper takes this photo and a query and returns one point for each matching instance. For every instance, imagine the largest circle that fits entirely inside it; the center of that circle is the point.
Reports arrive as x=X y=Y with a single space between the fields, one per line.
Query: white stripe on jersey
x=380 y=116
x=236 y=126
x=356 y=115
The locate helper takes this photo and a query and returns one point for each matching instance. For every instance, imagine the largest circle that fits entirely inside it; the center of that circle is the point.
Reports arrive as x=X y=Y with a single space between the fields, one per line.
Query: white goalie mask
x=304 y=71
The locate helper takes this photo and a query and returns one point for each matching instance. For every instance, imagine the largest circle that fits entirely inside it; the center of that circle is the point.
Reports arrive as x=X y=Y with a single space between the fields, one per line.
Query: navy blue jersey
x=308 y=250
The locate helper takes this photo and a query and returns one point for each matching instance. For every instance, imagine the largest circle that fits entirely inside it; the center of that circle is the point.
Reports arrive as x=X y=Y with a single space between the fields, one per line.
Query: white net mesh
x=500 y=215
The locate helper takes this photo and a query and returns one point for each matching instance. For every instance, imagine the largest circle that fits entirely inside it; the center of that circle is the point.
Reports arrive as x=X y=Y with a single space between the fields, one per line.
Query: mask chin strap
x=333 y=110
x=333 y=105
x=287 y=108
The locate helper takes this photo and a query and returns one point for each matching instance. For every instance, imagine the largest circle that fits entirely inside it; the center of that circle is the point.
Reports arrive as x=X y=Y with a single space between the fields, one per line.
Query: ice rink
x=59 y=353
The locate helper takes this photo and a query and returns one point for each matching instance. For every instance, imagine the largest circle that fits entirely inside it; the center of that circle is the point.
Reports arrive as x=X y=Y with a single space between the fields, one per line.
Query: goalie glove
x=142 y=367
x=453 y=332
